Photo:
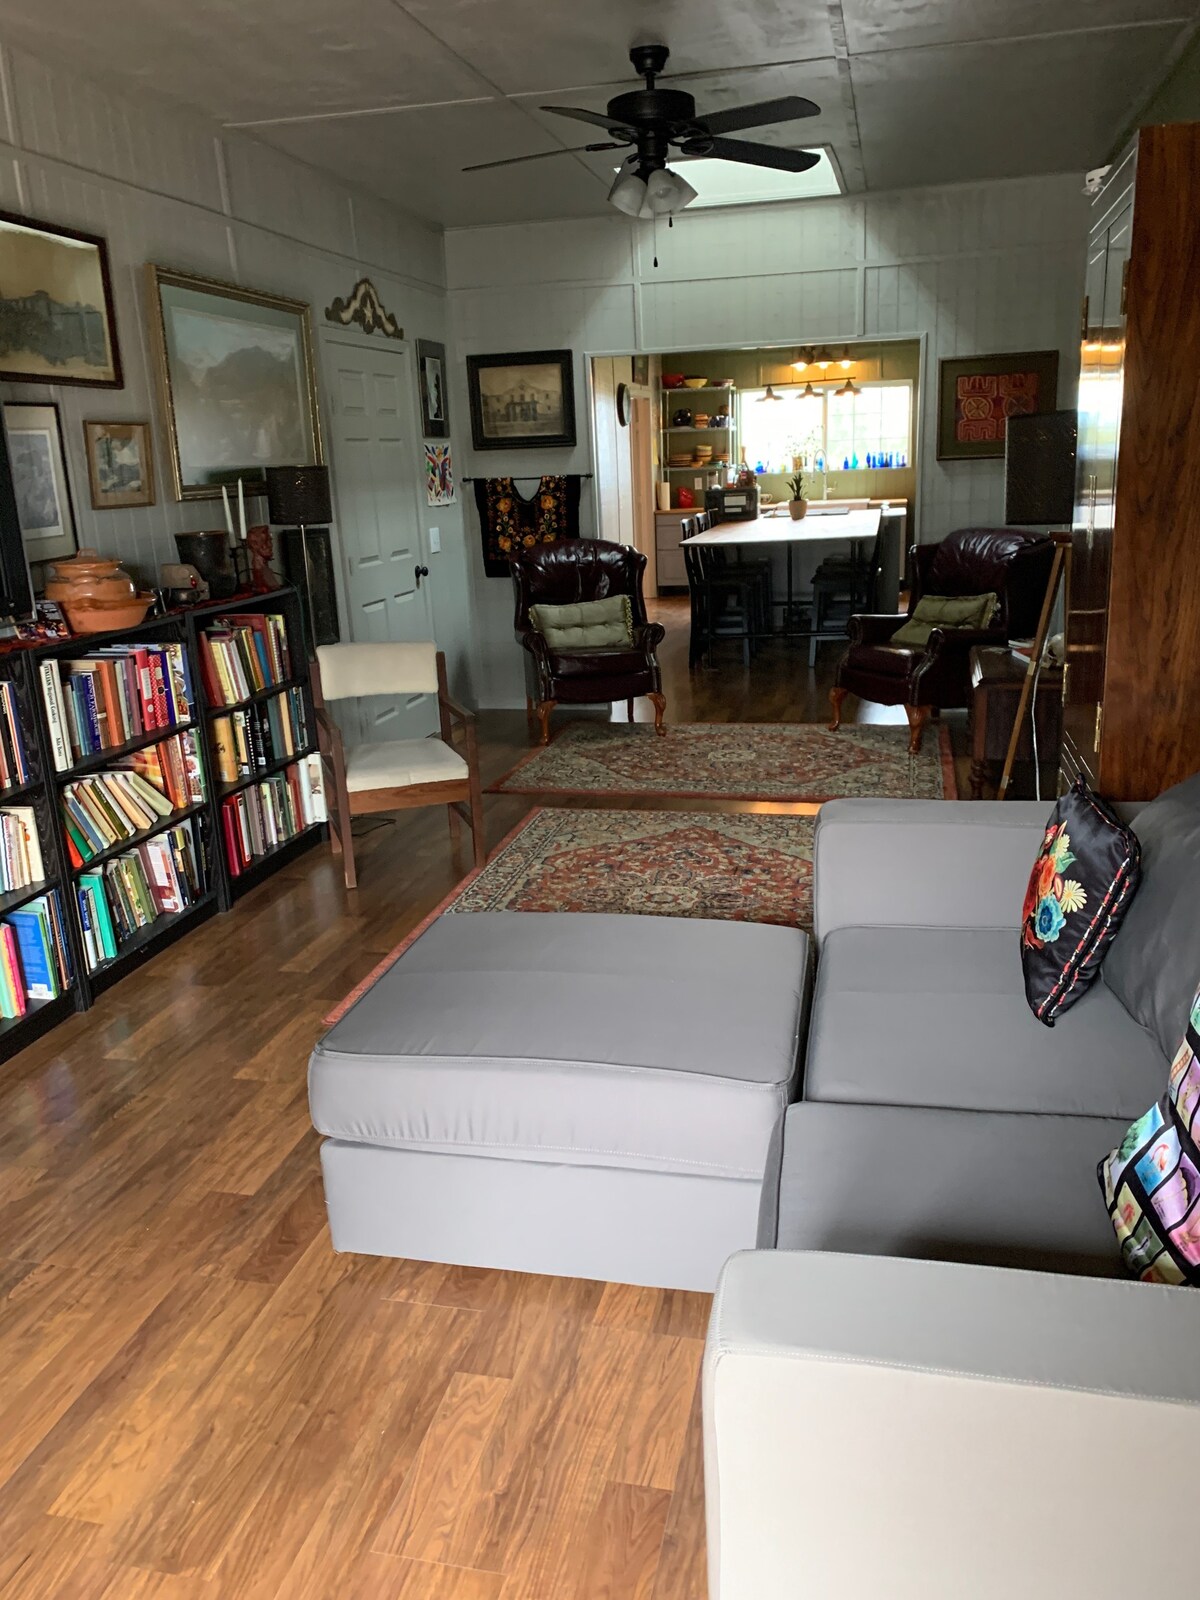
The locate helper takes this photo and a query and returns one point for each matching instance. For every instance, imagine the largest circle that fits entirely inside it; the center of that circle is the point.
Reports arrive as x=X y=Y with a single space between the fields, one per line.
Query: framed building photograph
x=431 y=367
x=237 y=379
x=522 y=400
x=40 y=482
x=978 y=394
x=120 y=464
x=56 y=308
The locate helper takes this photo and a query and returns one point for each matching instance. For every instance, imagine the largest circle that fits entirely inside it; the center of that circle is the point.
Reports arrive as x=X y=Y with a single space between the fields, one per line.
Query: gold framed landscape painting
x=237 y=378
x=56 y=308
x=120 y=465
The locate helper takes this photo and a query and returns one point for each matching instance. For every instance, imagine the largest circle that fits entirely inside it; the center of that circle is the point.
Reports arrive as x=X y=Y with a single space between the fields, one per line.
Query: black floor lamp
x=1039 y=490
x=298 y=504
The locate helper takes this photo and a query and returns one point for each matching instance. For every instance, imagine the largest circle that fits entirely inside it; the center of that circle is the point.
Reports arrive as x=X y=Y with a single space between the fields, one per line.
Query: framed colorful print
x=237 y=379
x=56 y=307
x=978 y=394
x=431 y=367
x=522 y=401
x=40 y=482
x=120 y=465
x=439 y=476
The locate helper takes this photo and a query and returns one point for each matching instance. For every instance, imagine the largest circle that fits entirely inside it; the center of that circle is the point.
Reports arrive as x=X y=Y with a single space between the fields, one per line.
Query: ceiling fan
x=652 y=122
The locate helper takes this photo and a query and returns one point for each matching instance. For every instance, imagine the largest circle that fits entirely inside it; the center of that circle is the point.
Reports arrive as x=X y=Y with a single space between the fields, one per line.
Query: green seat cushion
x=590 y=625
x=944 y=611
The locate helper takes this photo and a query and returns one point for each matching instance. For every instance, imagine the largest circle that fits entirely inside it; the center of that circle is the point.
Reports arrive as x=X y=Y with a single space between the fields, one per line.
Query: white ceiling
x=399 y=95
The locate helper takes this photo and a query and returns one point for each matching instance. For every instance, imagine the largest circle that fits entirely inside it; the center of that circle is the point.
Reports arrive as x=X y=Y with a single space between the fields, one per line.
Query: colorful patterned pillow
x=1151 y=1181
x=1083 y=880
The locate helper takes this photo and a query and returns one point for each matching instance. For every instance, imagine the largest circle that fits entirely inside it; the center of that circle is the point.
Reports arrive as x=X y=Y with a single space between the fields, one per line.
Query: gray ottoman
x=583 y=1095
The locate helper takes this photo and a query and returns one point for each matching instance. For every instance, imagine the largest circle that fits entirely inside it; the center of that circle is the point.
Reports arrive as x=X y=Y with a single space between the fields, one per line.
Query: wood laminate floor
x=199 y=1400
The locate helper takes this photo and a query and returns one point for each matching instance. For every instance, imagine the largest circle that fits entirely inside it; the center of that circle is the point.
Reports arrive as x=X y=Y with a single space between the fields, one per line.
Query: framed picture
x=40 y=483
x=439 y=476
x=521 y=401
x=56 y=308
x=978 y=394
x=120 y=466
x=238 y=382
x=431 y=365
x=640 y=371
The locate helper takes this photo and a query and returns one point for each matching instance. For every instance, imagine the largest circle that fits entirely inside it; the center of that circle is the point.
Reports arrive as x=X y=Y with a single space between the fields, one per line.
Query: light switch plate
x=435 y=541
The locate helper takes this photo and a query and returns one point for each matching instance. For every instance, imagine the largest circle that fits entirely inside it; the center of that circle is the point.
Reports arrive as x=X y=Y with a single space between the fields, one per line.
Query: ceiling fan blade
x=598 y=119
x=753 y=155
x=788 y=109
x=538 y=155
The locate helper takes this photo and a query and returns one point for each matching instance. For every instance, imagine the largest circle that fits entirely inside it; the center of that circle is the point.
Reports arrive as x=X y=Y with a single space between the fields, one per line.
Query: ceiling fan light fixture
x=667 y=192
x=628 y=192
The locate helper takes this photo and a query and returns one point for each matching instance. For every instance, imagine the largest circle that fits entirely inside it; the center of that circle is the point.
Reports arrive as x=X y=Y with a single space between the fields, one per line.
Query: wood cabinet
x=1131 y=713
x=672 y=574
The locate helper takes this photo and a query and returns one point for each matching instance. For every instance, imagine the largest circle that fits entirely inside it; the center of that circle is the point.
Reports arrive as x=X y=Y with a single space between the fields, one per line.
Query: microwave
x=732 y=505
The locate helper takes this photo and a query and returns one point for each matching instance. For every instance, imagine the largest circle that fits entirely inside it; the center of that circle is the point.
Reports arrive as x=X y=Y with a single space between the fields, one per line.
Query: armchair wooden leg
x=659 y=702
x=544 y=711
x=918 y=718
x=347 y=840
x=836 y=696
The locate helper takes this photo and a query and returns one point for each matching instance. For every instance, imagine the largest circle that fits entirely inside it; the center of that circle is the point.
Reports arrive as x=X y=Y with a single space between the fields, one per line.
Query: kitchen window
x=867 y=429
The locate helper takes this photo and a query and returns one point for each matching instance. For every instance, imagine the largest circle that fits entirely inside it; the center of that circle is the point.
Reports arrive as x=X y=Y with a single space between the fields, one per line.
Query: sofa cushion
x=1151 y=1181
x=1082 y=884
x=664 y=1043
x=938 y=1017
x=996 y=1189
x=1152 y=967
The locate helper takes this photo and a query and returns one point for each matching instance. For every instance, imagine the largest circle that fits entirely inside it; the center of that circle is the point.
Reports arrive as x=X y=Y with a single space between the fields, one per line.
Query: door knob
x=422 y=572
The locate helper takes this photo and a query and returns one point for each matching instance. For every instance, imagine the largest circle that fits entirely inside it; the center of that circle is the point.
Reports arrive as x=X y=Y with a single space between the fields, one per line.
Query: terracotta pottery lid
x=87 y=563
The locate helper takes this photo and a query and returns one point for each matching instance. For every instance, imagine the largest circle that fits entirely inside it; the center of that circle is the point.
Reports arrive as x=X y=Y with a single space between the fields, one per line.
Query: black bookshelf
x=220 y=887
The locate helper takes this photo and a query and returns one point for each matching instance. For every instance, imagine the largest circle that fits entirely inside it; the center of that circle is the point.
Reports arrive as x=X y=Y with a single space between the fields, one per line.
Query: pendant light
x=802 y=361
x=847 y=388
x=824 y=359
x=770 y=395
x=808 y=393
x=846 y=362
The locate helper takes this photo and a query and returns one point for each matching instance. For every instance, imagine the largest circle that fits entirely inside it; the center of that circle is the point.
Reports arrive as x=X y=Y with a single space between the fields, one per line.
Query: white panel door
x=375 y=447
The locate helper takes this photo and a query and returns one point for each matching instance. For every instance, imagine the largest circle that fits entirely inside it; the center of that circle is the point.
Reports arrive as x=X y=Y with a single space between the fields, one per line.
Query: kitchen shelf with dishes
x=696 y=440
x=114 y=841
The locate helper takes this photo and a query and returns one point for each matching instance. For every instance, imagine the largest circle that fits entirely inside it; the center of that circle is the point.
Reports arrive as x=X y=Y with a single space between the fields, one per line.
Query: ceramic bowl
x=694 y=383
x=672 y=380
x=722 y=383
x=99 y=616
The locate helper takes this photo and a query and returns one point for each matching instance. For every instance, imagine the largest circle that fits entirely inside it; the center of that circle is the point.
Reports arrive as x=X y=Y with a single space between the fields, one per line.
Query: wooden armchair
x=405 y=772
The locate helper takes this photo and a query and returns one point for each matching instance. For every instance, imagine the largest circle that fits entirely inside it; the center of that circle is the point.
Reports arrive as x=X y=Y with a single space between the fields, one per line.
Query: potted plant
x=797 y=505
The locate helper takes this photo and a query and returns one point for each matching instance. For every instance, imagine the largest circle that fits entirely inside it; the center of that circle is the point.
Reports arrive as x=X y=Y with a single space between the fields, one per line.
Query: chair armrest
x=924 y=863
x=456 y=712
x=648 y=635
x=867 y=627
x=944 y=641
x=927 y=1430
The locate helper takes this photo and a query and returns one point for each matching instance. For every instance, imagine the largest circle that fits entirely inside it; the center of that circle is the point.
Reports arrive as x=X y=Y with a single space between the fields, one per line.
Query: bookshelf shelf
x=274 y=858
x=105 y=758
x=147 y=941
x=132 y=842
x=224 y=790
x=40 y=1016
x=19 y=792
x=14 y=899
x=262 y=694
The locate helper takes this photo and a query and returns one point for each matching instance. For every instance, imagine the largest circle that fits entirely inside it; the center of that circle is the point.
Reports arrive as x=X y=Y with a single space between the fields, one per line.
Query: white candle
x=228 y=513
x=242 y=510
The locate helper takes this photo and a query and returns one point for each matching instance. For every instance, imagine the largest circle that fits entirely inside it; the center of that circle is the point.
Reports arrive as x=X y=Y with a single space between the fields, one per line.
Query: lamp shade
x=1039 y=469
x=298 y=497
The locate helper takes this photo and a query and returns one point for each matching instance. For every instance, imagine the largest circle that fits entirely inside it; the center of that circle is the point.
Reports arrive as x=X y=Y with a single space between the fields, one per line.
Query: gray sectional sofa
x=931 y=1380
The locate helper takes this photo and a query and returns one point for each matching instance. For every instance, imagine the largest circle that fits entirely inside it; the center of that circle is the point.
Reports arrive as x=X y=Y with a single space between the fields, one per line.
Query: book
x=222 y=737
x=102 y=923
x=12 y=987
x=56 y=716
x=38 y=963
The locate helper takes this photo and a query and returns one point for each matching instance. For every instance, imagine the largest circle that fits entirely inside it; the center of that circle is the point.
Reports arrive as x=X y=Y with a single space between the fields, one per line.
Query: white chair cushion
x=402 y=763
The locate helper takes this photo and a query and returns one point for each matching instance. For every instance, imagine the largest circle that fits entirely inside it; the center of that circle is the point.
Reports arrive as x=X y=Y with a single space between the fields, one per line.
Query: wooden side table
x=996 y=679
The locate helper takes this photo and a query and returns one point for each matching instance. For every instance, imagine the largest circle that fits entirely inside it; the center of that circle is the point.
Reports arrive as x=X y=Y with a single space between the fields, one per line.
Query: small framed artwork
x=40 y=482
x=56 y=307
x=640 y=371
x=120 y=467
x=431 y=367
x=238 y=381
x=439 y=476
x=522 y=400
x=978 y=394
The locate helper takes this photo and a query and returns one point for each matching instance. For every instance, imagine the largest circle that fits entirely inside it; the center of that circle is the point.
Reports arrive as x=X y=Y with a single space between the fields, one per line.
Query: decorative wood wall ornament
x=364 y=306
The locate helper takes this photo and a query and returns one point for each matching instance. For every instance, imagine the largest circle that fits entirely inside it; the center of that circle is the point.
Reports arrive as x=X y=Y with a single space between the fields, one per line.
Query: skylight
x=729 y=183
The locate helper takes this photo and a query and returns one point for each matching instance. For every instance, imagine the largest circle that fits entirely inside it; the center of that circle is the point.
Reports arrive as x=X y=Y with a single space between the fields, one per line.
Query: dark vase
x=212 y=558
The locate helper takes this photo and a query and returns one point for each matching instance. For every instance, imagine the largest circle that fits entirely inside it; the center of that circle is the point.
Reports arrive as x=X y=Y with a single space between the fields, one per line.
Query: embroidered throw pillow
x=1151 y=1181
x=590 y=625
x=1082 y=882
x=944 y=611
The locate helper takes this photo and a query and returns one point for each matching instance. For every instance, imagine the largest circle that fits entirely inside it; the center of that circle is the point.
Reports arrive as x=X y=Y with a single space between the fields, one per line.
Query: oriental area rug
x=742 y=868
x=737 y=761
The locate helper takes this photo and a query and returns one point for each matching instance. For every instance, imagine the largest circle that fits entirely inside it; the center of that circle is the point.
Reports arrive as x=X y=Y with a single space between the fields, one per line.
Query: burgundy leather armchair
x=1013 y=564
x=566 y=573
